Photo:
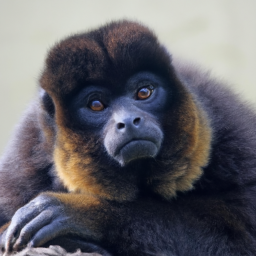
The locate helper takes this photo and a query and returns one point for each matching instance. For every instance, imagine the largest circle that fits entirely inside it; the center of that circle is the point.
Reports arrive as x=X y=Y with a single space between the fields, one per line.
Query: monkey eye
x=96 y=105
x=144 y=93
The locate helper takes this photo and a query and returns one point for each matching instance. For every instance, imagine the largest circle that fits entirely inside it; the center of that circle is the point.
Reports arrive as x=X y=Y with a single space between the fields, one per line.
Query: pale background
x=220 y=35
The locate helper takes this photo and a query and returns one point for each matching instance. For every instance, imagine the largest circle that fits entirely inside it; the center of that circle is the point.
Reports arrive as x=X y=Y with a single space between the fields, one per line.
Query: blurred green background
x=219 y=35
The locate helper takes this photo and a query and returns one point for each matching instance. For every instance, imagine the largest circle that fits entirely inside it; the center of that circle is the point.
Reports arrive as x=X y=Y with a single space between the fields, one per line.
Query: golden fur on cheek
x=74 y=167
x=195 y=154
x=199 y=156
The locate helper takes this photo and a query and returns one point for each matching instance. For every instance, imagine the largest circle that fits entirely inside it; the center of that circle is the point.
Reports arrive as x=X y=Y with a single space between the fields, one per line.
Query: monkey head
x=117 y=109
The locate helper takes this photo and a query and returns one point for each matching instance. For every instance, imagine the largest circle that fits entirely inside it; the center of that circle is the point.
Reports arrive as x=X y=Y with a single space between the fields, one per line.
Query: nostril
x=136 y=121
x=120 y=126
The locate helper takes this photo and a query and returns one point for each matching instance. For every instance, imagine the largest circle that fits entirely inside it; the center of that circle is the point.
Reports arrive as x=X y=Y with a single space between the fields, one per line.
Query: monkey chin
x=136 y=149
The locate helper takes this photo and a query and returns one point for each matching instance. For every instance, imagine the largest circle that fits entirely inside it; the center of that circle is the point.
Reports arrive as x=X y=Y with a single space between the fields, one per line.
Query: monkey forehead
x=110 y=53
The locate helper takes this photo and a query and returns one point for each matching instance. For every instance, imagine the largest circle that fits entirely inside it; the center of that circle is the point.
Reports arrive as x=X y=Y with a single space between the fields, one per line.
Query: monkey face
x=126 y=118
x=133 y=130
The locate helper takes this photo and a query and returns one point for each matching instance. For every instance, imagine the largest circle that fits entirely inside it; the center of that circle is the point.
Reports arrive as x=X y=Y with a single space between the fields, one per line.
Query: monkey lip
x=131 y=142
x=136 y=149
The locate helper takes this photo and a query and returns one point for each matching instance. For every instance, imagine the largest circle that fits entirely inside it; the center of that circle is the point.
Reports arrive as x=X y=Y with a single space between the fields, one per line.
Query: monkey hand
x=46 y=217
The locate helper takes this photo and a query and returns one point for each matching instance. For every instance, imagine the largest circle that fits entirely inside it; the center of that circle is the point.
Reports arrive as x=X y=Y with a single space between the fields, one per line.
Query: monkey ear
x=47 y=102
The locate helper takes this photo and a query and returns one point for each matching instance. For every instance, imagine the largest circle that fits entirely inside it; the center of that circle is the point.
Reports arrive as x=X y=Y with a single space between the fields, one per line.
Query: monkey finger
x=32 y=227
x=19 y=220
x=48 y=233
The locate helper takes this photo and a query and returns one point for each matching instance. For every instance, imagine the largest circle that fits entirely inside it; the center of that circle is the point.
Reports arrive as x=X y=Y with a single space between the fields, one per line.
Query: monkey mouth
x=135 y=149
x=132 y=142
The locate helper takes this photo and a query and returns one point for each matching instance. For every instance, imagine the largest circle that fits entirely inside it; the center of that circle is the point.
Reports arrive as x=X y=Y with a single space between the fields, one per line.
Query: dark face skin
x=126 y=119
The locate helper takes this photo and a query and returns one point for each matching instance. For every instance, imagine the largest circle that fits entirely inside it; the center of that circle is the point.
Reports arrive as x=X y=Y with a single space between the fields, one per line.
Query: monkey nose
x=129 y=122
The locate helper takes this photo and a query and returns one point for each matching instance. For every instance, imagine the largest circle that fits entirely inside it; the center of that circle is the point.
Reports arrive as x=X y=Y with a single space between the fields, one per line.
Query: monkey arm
x=26 y=168
x=204 y=225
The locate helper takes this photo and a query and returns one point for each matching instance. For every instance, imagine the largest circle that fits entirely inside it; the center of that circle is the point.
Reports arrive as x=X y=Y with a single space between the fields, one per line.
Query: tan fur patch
x=195 y=155
x=74 y=170
x=75 y=200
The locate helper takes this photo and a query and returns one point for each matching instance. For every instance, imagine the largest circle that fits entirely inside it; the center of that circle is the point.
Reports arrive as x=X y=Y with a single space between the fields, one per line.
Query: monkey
x=127 y=152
